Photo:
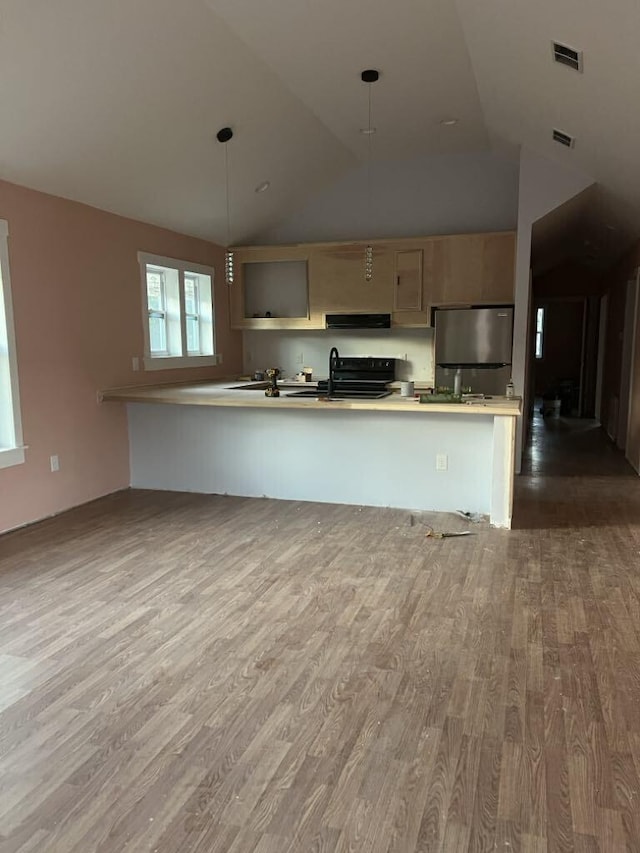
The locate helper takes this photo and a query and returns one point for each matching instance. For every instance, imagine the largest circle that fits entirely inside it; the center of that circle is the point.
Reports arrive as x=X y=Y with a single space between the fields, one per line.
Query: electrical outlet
x=300 y=358
x=441 y=462
x=135 y=363
x=55 y=463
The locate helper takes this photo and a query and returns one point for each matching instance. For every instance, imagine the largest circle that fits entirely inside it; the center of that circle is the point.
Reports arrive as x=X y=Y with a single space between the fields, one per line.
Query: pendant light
x=223 y=136
x=369 y=77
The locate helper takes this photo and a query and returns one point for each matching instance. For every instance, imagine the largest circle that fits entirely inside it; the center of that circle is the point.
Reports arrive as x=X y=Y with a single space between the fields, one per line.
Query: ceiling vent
x=564 y=138
x=567 y=55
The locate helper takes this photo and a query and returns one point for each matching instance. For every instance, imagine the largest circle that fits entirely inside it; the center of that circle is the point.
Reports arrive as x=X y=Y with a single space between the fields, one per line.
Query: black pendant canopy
x=225 y=134
x=370 y=75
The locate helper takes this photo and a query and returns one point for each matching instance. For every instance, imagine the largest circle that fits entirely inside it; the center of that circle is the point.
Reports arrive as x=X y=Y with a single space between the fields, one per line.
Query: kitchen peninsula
x=228 y=438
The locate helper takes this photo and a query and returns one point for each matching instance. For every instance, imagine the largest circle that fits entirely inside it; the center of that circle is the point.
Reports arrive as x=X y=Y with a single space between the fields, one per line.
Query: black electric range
x=356 y=378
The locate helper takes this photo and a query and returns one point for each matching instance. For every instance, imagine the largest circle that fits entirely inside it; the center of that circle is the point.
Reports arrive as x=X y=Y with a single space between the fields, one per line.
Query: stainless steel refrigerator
x=477 y=342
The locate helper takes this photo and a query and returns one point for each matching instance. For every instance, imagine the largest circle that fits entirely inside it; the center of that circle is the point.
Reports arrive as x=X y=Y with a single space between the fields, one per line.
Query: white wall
x=354 y=457
x=291 y=350
x=543 y=186
x=446 y=194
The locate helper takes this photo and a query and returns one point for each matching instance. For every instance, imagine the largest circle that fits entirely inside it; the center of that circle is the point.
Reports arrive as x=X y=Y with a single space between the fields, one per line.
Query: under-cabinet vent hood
x=358 y=321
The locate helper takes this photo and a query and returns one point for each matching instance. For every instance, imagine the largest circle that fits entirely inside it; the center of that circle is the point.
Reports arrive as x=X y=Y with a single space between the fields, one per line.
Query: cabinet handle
x=398 y=281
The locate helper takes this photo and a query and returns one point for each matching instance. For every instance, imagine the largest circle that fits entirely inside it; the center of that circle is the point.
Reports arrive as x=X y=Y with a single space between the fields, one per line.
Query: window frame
x=169 y=361
x=12 y=454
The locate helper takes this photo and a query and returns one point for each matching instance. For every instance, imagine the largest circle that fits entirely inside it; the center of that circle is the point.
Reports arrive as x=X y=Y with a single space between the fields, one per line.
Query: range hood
x=358 y=321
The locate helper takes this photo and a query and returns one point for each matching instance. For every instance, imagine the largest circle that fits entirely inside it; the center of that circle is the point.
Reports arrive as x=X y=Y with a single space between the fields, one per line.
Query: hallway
x=578 y=542
x=573 y=476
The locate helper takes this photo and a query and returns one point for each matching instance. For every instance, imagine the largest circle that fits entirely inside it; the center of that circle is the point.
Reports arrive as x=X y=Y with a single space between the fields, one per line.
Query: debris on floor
x=473 y=517
x=434 y=534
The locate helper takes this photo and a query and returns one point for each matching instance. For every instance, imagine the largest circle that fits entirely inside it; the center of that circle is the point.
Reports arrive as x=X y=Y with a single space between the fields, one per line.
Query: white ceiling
x=117 y=103
x=320 y=49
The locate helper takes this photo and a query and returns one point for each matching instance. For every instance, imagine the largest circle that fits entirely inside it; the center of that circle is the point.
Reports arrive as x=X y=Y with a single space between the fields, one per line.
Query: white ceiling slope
x=436 y=194
x=319 y=50
x=525 y=95
x=117 y=104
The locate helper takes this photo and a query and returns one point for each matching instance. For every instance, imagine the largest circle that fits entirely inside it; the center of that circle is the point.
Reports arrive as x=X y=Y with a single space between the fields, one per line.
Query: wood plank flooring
x=208 y=674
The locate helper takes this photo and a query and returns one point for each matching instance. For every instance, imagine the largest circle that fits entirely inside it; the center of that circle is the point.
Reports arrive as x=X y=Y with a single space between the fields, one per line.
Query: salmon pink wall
x=78 y=318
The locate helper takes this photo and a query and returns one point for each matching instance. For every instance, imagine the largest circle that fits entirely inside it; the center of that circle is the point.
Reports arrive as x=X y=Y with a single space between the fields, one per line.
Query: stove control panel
x=365 y=368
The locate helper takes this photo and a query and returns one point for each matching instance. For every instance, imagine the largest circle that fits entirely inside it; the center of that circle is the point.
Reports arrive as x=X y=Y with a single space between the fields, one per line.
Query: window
x=11 y=448
x=539 y=331
x=156 y=301
x=192 y=312
x=178 y=308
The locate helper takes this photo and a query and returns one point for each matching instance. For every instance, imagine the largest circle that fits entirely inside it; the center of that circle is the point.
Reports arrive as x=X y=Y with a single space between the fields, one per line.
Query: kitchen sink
x=343 y=395
x=249 y=386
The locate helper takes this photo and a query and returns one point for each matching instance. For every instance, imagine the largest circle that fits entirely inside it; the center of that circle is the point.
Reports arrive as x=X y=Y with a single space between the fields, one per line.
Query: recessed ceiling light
x=368 y=131
x=263 y=187
x=449 y=122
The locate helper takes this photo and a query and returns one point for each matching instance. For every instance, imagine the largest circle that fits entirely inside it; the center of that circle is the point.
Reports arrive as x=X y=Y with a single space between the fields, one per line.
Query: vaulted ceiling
x=117 y=103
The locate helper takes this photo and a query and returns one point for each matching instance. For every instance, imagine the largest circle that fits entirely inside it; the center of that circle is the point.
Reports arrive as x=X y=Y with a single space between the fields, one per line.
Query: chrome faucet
x=334 y=355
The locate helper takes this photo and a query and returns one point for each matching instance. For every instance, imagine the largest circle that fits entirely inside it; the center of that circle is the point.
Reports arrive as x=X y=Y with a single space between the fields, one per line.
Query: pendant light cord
x=369 y=76
x=369 y=135
x=226 y=172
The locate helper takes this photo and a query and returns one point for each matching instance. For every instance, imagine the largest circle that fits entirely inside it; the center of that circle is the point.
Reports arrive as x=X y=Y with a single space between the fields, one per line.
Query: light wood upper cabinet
x=473 y=268
x=407 y=293
x=412 y=283
x=271 y=289
x=337 y=283
x=299 y=284
x=499 y=268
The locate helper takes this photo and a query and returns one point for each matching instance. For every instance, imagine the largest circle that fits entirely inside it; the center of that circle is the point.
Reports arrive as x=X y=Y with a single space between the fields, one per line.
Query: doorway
x=559 y=353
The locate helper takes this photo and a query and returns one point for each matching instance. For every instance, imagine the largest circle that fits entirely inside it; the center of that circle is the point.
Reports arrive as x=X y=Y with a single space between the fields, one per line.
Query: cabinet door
x=499 y=268
x=412 y=284
x=408 y=290
x=337 y=283
x=457 y=269
x=474 y=269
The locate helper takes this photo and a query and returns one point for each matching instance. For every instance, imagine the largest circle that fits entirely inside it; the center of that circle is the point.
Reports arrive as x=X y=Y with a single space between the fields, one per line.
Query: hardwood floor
x=201 y=673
